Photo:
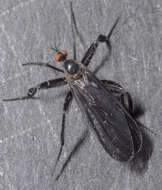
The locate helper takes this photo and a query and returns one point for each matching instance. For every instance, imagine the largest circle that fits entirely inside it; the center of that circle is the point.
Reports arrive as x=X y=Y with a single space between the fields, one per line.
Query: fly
x=106 y=104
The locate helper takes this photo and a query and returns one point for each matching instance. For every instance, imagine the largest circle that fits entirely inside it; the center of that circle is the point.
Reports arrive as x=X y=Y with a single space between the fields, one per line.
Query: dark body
x=115 y=128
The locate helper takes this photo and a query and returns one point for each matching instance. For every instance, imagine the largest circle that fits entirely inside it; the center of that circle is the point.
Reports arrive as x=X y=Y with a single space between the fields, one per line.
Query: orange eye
x=60 y=55
x=57 y=57
x=64 y=52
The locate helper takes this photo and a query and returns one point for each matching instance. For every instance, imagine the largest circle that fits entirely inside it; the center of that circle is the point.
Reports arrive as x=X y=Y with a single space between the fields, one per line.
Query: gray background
x=29 y=130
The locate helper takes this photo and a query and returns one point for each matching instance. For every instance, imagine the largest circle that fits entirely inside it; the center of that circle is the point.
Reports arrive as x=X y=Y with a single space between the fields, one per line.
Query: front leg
x=43 y=65
x=44 y=85
x=92 y=49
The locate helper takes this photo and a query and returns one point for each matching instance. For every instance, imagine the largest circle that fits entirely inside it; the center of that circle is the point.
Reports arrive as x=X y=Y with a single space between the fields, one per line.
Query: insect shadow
x=139 y=163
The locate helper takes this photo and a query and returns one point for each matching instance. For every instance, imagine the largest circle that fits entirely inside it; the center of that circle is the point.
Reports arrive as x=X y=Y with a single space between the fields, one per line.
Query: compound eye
x=60 y=55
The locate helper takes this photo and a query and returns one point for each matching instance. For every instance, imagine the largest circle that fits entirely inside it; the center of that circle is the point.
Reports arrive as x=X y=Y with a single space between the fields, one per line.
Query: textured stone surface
x=29 y=130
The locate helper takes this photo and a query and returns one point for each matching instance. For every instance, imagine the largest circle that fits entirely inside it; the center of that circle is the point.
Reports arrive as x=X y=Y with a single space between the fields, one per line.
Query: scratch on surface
x=21 y=133
x=8 y=39
x=115 y=183
x=16 y=7
x=105 y=3
x=1 y=172
x=11 y=78
x=133 y=58
x=144 y=64
x=66 y=12
x=2 y=26
x=24 y=132
x=48 y=122
x=155 y=96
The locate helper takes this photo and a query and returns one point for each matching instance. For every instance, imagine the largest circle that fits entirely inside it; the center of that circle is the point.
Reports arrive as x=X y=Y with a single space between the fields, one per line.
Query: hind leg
x=123 y=96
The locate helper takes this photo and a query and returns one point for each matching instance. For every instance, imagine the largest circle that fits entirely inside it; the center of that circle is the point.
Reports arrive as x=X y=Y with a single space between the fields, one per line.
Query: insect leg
x=92 y=49
x=67 y=102
x=75 y=30
x=118 y=91
x=44 y=65
x=126 y=100
x=110 y=83
x=44 y=85
x=75 y=149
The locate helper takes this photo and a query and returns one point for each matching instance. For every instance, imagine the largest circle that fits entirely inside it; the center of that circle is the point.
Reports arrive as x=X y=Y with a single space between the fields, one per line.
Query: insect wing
x=106 y=115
